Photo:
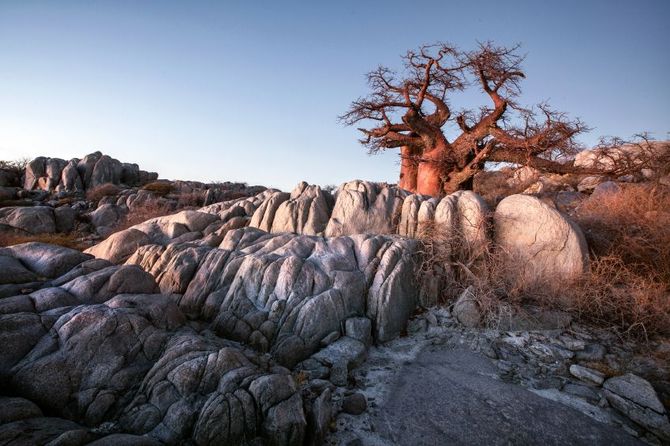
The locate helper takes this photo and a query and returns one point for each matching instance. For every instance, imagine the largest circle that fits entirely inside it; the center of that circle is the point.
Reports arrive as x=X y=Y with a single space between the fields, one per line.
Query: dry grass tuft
x=160 y=188
x=490 y=275
x=193 y=199
x=71 y=240
x=633 y=225
x=445 y=260
x=148 y=210
x=104 y=190
x=615 y=294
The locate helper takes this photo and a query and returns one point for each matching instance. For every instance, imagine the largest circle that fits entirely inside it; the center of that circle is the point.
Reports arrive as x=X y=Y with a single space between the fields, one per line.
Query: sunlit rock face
x=364 y=207
x=546 y=246
x=284 y=293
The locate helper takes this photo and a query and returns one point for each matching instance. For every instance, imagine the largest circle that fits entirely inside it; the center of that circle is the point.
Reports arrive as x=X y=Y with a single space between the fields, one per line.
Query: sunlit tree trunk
x=429 y=178
x=408 y=169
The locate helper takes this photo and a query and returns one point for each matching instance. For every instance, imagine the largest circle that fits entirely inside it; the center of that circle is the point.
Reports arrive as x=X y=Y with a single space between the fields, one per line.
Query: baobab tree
x=411 y=111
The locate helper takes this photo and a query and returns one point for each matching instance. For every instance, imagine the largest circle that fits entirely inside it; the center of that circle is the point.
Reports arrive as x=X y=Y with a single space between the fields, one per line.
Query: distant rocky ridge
x=95 y=169
x=52 y=195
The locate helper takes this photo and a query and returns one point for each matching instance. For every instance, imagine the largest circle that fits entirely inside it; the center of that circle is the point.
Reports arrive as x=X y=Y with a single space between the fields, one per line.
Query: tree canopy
x=411 y=110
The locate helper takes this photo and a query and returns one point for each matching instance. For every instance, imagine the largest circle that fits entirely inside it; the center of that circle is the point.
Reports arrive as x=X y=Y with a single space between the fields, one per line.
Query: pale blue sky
x=250 y=91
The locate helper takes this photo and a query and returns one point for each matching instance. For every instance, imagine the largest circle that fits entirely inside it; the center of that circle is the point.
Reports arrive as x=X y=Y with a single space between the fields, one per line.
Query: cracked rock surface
x=174 y=342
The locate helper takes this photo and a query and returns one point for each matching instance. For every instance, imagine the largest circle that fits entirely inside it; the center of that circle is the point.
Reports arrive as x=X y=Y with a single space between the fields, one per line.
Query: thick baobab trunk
x=461 y=178
x=408 y=169
x=429 y=178
x=458 y=181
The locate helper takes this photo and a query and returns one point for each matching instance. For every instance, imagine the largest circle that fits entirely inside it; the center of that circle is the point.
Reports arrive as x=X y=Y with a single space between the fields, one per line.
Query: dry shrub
x=626 y=288
x=104 y=190
x=490 y=275
x=628 y=285
x=632 y=225
x=160 y=188
x=615 y=294
x=234 y=195
x=71 y=240
x=17 y=166
x=190 y=199
x=493 y=185
x=448 y=261
x=148 y=210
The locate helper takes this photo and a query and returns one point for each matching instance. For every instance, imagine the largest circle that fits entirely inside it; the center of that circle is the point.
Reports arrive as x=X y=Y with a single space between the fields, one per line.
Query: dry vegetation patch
x=71 y=240
x=633 y=225
x=104 y=190
x=160 y=188
x=627 y=286
x=147 y=211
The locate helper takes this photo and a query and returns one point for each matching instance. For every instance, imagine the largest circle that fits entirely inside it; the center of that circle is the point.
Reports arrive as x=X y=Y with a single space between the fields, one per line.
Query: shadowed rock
x=33 y=220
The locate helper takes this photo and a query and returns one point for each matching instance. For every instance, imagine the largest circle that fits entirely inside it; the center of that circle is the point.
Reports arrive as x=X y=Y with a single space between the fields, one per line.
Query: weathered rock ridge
x=95 y=169
x=191 y=328
x=189 y=339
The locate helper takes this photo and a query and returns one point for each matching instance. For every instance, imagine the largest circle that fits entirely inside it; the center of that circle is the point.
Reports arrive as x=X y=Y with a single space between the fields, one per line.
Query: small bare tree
x=409 y=111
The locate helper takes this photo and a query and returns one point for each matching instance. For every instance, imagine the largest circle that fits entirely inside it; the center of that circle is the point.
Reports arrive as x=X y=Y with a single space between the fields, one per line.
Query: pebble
x=354 y=404
x=586 y=374
x=572 y=343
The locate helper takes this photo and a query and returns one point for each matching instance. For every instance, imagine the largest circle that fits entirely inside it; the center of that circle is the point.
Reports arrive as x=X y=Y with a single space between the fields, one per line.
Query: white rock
x=362 y=207
x=546 y=246
x=120 y=245
x=636 y=398
x=264 y=216
x=306 y=211
x=466 y=309
x=34 y=220
x=589 y=183
x=409 y=218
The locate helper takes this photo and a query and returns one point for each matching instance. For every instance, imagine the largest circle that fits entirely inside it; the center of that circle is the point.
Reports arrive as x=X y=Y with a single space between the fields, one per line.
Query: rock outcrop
x=285 y=293
x=208 y=226
x=305 y=212
x=544 y=245
x=636 y=398
x=31 y=220
x=93 y=342
x=553 y=246
x=361 y=207
x=365 y=207
x=628 y=156
x=95 y=169
x=191 y=328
